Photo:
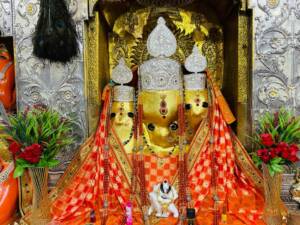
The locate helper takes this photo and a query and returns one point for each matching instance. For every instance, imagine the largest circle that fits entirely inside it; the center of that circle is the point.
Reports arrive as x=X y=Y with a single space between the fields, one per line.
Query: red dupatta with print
x=235 y=180
x=85 y=199
x=223 y=171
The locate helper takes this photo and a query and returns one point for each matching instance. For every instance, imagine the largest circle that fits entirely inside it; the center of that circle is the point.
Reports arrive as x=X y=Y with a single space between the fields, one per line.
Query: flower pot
x=294 y=218
x=288 y=179
x=40 y=213
x=274 y=209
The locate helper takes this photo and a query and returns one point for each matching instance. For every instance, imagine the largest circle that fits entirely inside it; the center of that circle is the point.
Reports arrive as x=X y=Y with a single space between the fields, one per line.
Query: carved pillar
x=58 y=86
x=243 y=107
x=6 y=17
x=276 y=68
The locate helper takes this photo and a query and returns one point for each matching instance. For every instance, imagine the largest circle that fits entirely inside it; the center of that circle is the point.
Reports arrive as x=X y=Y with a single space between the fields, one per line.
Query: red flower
x=267 y=139
x=14 y=147
x=285 y=154
x=32 y=153
x=264 y=155
x=265 y=158
x=262 y=152
x=273 y=153
x=293 y=153
x=293 y=158
x=284 y=148
x=283 y=145
x=294 y=149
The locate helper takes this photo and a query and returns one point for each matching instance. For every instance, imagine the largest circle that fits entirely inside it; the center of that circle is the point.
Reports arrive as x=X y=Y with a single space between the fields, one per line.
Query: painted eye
x=130 y=114
x=188 y=106
x=112 y=115
x=174 y=126
x=151 y=127
x=204 y=104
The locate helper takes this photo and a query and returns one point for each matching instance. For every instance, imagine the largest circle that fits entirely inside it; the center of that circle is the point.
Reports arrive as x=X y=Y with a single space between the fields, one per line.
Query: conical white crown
x=122 y=74
x=195 y=63
x=161 y=41
x=161 y=72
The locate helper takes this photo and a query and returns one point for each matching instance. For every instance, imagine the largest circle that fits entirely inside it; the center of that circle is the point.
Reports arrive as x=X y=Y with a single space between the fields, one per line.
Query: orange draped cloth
x=8 y=193
x=214 y=172
x=7 y=80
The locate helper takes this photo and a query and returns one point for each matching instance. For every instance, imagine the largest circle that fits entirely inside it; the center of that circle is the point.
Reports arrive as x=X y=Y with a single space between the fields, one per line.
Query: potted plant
x=276 y=142
x=35 y=137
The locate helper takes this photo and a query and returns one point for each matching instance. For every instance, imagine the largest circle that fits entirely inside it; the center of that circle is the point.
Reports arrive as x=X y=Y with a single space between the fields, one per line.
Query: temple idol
x=165 y=100
x=141 y=154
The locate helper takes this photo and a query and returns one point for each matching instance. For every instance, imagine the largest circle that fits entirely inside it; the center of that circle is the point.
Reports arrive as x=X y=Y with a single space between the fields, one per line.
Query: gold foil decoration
x=197 y=112
x=4 y=152
x=161 y=139
x=243 y=78
x=96 y=68
x=131 y=30
x=123 y=124
x=272 y=4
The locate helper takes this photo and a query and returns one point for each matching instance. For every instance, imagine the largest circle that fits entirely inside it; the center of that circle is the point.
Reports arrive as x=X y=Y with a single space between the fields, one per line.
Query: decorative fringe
x=55 y=37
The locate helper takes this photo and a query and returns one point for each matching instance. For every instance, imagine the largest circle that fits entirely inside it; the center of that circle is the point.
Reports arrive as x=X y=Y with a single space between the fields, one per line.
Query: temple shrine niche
x=215 y=28
x=164 y=96
x=148 y=160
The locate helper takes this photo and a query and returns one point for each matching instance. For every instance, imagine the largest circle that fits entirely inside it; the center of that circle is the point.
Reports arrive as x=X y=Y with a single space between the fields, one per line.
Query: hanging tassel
x=190 y=216
x=55 y=37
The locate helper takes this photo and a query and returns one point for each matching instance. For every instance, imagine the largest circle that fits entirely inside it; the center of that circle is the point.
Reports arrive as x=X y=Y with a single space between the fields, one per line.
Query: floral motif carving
x=6 y=15
x=277 y=51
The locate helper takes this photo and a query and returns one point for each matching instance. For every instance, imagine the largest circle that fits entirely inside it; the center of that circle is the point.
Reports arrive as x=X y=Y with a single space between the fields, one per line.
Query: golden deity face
x=160 y=118
x=122 y=114
x=196 y=108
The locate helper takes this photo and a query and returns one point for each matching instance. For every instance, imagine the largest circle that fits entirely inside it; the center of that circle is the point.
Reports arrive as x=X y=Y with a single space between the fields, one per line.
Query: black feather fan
x=55 y=37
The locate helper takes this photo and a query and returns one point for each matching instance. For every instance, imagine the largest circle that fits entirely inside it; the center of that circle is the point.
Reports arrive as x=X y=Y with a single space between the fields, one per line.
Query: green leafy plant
x=277 y=140
x=35 y=137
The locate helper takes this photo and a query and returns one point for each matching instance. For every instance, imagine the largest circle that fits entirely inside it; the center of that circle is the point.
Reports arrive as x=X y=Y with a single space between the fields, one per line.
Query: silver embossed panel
x=6 y=15
x=58 y=86
x=277 y=55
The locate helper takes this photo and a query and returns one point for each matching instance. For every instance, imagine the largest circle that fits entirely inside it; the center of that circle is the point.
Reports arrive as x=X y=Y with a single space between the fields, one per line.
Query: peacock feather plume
x=55 y=37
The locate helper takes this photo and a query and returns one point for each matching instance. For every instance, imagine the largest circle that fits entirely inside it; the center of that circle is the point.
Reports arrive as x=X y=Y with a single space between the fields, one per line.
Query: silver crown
x=195 y=63
x=161 y=73
x=194 y=81
x=122 y=74
x=123 y=93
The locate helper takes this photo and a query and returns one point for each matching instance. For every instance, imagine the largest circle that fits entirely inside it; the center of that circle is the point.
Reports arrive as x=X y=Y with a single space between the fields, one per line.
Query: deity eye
x=188 y=106
x=204 y=104
x=151 y=127
x=174 y=126
x=112 y=115
x=130 y=114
